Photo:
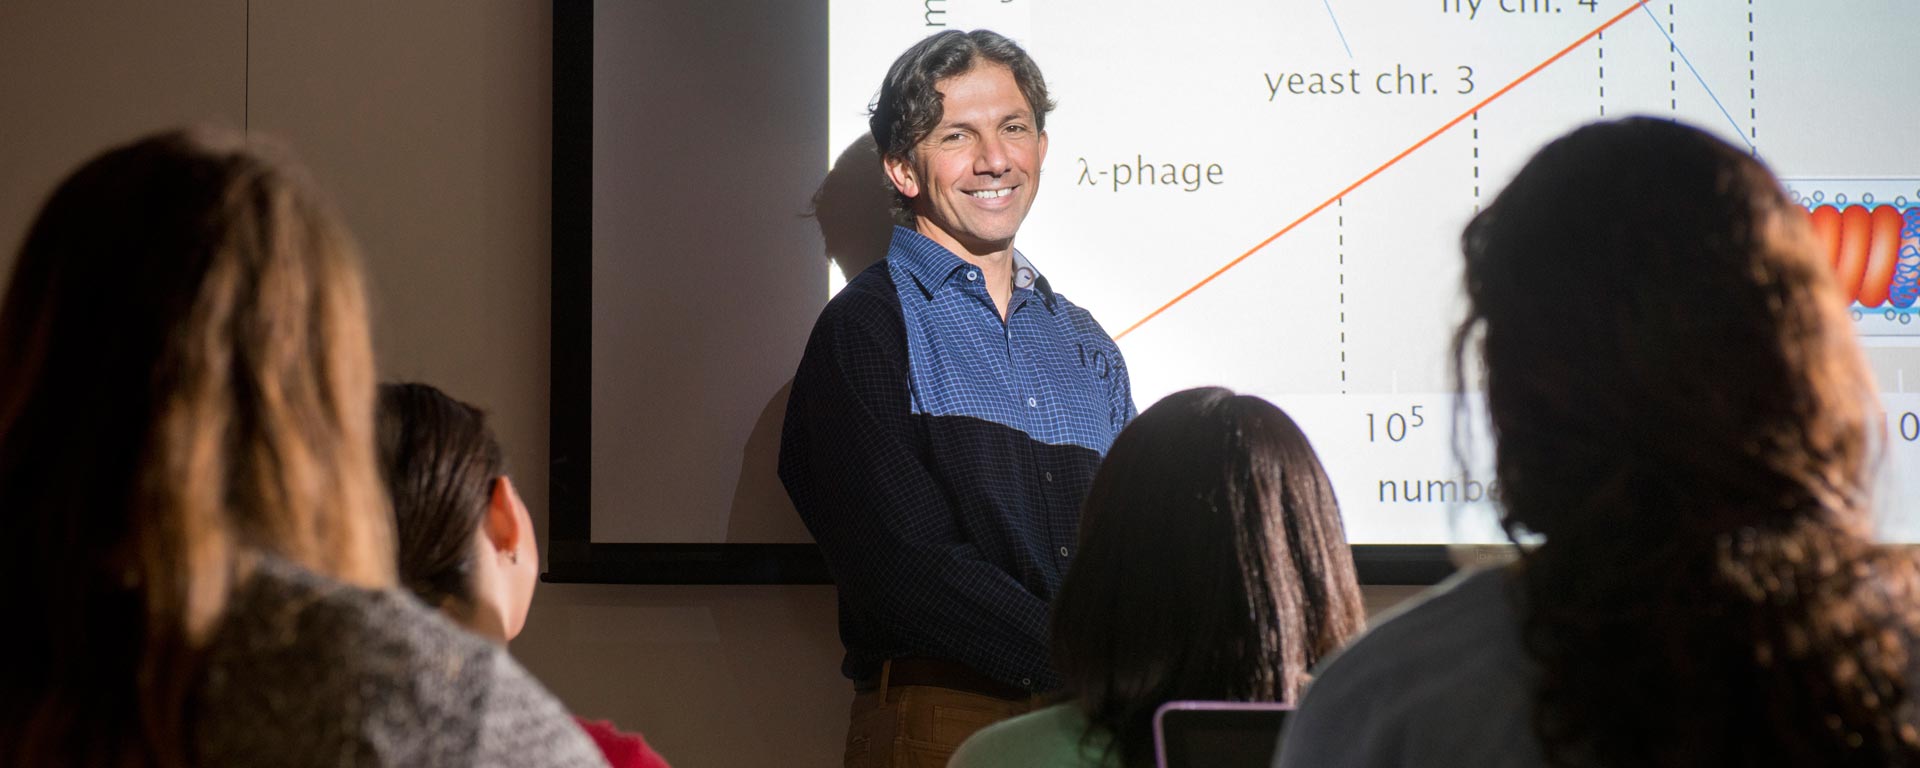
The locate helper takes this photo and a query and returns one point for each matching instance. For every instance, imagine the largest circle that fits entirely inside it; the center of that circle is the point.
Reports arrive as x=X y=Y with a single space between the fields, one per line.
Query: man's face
x=974 y=176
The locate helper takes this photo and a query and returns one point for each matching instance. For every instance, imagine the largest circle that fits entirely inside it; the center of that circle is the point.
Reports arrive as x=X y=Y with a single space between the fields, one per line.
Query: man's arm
x=1120 y=408
x=1120 y=393
x=886 y=526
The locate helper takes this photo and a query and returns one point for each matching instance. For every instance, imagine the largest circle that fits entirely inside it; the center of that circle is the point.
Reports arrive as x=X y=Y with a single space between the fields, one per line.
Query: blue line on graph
x=1336 y=27
x=1696 y=75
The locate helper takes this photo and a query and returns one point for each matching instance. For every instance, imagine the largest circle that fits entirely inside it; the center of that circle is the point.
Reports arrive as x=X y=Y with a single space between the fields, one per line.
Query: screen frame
x=572 y=555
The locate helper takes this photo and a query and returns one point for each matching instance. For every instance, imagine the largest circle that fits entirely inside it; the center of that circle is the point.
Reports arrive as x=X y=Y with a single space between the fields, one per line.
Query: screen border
x=572 y=555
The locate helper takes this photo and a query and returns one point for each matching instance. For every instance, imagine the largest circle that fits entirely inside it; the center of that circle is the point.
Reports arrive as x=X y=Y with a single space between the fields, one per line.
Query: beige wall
x=429 y=123
x=75 y=78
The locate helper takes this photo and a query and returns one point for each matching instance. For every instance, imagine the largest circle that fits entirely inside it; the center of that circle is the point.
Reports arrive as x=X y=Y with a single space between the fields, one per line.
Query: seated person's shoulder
x=623 y=749
x=1054 y=737
x=1446 y=672
x=1451 y=634
x=308 y=671
x=1469 y=615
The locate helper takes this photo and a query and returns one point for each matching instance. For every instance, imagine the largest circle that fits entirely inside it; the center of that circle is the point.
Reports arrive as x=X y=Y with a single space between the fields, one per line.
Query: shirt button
x=1049 y=477
x=1026 y=682
x=1033 y=402
x=1063 y=551
x=972 y=275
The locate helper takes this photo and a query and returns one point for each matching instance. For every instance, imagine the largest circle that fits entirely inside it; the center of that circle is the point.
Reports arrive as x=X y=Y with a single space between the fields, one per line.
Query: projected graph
x=1269 y=195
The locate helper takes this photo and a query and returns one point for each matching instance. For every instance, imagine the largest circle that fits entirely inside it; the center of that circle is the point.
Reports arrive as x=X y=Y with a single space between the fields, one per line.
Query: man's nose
x=993 y=159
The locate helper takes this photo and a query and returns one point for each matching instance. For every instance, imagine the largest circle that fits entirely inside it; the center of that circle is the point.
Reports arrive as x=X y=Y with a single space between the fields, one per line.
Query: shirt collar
x=931 y=264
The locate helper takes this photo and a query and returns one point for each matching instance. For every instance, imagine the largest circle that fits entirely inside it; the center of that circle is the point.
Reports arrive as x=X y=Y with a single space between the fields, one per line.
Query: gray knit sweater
x=307 y=672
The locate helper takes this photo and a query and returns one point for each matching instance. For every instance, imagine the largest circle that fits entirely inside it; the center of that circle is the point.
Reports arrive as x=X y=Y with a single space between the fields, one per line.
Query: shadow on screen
x=854 y=208
x=761 y=511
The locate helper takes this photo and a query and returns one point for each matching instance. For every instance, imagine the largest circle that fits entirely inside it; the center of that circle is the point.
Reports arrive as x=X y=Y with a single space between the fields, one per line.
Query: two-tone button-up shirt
x=940 y=455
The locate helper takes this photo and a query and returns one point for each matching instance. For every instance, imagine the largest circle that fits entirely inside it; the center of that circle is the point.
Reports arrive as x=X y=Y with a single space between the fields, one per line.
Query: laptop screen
x=1217 y=734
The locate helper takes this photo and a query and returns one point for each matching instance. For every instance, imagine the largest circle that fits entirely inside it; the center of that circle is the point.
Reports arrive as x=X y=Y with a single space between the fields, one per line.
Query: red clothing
x=623 y=750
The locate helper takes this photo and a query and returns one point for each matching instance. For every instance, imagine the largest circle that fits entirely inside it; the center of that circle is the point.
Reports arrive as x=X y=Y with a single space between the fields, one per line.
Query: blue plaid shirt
x=940 y=457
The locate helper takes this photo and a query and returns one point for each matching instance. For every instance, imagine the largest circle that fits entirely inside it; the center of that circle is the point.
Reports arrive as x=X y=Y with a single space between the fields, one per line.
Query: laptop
x=1217 y=734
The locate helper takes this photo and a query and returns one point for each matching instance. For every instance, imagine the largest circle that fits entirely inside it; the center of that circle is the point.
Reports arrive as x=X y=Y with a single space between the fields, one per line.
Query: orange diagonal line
x=1383 y=166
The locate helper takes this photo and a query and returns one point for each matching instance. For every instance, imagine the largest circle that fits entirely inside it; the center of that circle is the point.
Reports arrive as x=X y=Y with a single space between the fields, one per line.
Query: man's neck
x=995 y=265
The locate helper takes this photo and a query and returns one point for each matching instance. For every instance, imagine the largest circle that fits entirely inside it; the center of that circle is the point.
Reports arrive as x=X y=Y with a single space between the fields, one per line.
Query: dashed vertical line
x=1600 y=46
x=1476 y=162
x=1673 y=65
x=1340 y=235
x=1753 y=97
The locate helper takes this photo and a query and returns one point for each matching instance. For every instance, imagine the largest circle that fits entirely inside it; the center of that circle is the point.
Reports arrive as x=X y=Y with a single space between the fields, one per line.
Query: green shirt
x=1055 y=737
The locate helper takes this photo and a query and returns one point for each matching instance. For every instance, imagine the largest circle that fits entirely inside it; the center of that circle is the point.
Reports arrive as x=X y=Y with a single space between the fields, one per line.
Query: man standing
x=949 y=414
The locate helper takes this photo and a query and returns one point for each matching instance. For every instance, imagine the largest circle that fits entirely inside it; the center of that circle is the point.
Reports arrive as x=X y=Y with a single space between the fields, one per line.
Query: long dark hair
x=188 y=383
x=439 y=459
x=1212 y=565
x=1681 y=413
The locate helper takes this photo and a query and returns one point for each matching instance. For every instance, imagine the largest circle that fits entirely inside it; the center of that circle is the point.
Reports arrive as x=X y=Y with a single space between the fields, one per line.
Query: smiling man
x=949 y=413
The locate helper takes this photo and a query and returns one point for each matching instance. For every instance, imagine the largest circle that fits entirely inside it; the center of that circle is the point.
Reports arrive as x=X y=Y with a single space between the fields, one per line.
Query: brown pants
x=919 y=726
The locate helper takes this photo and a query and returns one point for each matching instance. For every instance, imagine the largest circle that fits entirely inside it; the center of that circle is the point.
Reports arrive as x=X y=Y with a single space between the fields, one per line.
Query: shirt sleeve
x=1120 y=394
x=888 y=529
x=1088 y=331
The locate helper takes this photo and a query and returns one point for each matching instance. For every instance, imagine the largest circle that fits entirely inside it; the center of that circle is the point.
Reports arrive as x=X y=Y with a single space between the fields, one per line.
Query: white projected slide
x=1268 y=195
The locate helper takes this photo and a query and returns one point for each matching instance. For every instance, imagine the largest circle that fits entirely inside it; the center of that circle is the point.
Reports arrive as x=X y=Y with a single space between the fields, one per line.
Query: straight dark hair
x=1213 y=565
x=440 y=460
x=1681 y=412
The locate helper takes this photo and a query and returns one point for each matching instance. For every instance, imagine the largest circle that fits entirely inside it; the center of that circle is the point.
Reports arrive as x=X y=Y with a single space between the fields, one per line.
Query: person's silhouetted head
x=1681 y=415
x=186 y=382
x=1212 y=565
x=465 y=540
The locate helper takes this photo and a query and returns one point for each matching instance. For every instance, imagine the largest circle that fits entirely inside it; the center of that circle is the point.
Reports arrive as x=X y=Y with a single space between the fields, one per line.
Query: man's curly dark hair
x=909 y=104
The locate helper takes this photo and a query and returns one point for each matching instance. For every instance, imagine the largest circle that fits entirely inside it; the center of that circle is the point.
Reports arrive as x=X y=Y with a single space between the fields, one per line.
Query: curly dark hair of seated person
x=439 y=459
x=1681 y=416
x=188 y=386
x=1213 y=565
x=909 y=104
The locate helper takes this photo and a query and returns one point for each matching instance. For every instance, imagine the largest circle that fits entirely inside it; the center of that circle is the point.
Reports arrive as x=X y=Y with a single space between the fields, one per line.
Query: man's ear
x=900 y=172
x=504 y=524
